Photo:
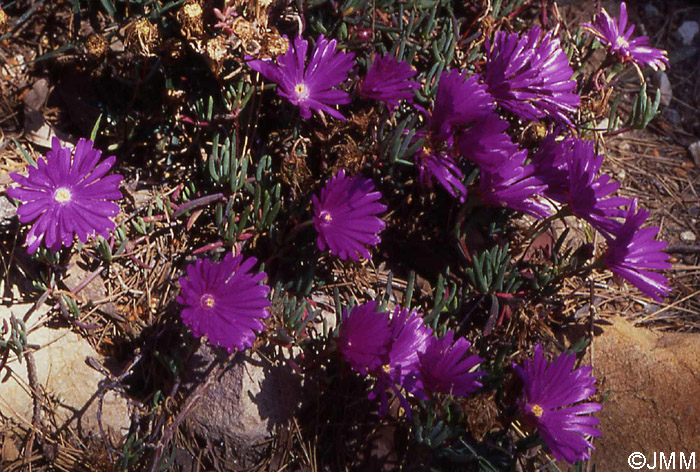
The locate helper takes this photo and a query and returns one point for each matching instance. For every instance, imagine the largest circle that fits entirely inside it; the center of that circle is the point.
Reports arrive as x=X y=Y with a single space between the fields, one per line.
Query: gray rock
x=687 y=31
x=672 y=116
x=688 y=236
x=694 y=151
x=240 y=411
x=664 y=85
x=651 y=11
x=64 y=377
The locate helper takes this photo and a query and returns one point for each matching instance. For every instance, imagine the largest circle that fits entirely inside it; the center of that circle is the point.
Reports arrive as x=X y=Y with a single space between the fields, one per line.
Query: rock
x=687 y=32
x=672 y=116
x=687 y=236
x=241 y=410
x=694 y=150
x=65 y=378
x=651 y=11
x=664 y=85
x=653 y=388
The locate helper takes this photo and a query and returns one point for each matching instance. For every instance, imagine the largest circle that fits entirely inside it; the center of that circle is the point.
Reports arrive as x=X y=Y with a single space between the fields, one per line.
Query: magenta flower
x=617 y=36
x=310 y=86
x=530 y=76
x=587 y=195
x=547 y=391
x=461 y=101
x=486 y=143
x=346 y=216
x=364 y=337
x=67 y=197
x=462 y=108
x=225 y=302
x=633 y=254
x=512 y=184
x=388 y=80
x=551 y=165
x=409 y=338
x=442 y=167
x=446 y=368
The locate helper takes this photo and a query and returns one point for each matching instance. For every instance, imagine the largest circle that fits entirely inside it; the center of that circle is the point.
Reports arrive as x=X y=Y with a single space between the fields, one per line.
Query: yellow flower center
x=537 y=410
x=325 y=217
x=62 y=195
x=386 y=368
x=302 y=91
x=621 y=42
x=207 y=301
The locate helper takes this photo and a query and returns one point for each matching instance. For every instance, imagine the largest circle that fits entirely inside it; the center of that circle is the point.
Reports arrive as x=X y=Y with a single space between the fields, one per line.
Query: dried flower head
x=141 y=37
x=224 y=301
x=309 y=85
x=96 y=45
x=618 y=37
x=549 y=394
x=191 y=20
x=216 y=52
x=274 y=44
x=66 y=196
x=3 y=20
x=345 y=216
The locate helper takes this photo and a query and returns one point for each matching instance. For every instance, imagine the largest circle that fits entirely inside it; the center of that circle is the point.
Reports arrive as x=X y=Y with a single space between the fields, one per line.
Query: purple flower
x=409 y=338
x=364 y=337
x=225 y=302
x=442 y=167
x=310 y=87
x=460 y=102
x=530 y=76
x=617 y=36
x=446 y=368
x=513 y=185
x=486 y=143
x=633 y=253
x=551 y=165
x=462 y=106
x=548 y=389
x=346 y=216
x=67 y=197
x=388 y=80
x=587 y=195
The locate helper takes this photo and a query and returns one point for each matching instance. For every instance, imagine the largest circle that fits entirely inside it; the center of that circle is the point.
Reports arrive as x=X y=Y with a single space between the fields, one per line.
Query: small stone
x=664 y=85
x=651 y=11
x=241 y=410
x=694 y=150
x=687 y=31
x=65 y=378
x=687 y=236
x=672 y=116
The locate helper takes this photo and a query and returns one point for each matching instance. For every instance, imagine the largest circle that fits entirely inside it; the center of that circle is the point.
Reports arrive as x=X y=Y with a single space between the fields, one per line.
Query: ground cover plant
x=386 y=198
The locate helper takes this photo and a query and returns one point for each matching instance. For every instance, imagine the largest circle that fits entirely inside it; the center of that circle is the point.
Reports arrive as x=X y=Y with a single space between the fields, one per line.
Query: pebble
x=664 y=85
x=687 y=236
x=651 y=11
x=687 y=31
x=694 y=151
